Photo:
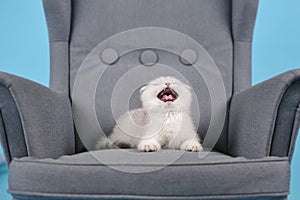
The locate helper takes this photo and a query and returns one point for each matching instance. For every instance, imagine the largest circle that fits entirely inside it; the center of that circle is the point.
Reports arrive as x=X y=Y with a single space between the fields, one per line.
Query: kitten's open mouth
x=167 y=94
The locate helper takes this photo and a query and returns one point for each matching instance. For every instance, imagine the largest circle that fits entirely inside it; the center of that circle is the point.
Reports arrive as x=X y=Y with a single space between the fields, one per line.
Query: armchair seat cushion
x=115 y=174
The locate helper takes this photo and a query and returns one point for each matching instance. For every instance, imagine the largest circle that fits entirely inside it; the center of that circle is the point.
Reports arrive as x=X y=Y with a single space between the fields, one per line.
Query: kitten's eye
x=155 y=84
x=143 y=89
x=188 y=87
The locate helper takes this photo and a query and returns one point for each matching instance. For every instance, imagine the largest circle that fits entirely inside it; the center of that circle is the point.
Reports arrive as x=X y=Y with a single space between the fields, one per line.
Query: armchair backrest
x=223 y=27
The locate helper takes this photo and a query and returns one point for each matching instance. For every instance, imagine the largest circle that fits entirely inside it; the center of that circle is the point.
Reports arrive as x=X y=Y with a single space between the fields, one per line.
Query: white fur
x=158 y=124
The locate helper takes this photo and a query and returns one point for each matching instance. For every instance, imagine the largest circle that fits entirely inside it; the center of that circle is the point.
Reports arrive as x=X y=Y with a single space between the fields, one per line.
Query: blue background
x=24 y=51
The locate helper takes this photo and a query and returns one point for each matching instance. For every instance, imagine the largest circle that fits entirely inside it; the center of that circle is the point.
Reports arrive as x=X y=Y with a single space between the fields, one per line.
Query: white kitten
x=163 y=122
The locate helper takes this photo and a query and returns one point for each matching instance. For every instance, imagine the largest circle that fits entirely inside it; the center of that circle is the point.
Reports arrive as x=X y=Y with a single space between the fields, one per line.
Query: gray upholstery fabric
x=212 y=177
x=94 y=21
x=294 y=134
x=45 y=117
x=224 y=28
x=287 y=121
x=253 y=114
x=243 y=19
x=91 y=25
x=242 y=59
x=58 y=15
x=59 y=61
x=139 y=197
x=11 y=131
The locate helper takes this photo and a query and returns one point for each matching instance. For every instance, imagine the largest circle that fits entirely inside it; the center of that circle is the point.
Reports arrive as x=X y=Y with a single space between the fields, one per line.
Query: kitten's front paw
x=191 y=145
x=149 y=145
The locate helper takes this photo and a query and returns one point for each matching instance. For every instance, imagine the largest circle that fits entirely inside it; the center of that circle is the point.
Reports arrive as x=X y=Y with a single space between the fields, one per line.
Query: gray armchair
x=47 y=158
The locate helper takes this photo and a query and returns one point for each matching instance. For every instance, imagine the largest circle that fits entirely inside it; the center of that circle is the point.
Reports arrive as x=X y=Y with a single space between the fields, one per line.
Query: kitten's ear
x=143 y=88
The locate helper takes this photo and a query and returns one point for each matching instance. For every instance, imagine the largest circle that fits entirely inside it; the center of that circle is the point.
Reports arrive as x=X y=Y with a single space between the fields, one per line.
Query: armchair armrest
x=34 y=120
x=264 y=119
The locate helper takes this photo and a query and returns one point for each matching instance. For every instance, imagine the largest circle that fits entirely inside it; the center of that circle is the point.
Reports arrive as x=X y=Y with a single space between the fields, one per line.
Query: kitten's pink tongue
x=168 y=97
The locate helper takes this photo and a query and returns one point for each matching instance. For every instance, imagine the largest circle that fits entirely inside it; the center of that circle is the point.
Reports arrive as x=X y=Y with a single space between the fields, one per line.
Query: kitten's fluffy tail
x=104 y=143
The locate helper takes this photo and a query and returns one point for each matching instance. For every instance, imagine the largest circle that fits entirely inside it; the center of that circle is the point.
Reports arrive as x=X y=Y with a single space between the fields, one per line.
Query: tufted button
x=148 y=58
x=188 y=57
x=109 y=56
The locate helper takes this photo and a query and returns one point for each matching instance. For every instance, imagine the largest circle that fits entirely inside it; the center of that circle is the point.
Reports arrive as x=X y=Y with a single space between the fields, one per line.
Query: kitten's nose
x=167 y=84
